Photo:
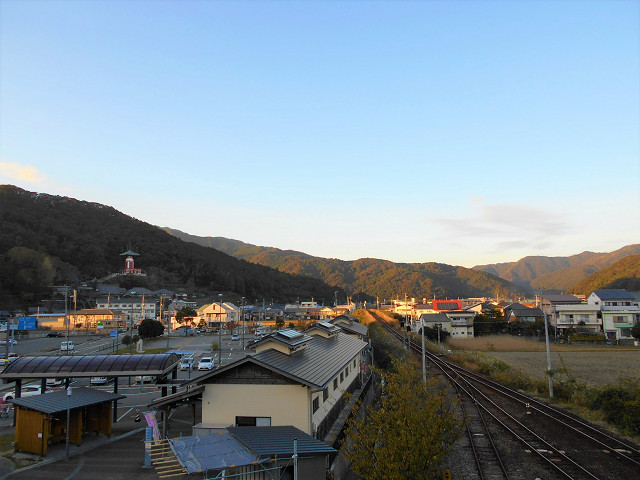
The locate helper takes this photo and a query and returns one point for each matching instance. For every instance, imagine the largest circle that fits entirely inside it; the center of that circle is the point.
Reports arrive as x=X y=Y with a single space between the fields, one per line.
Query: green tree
x=28 y=273
x=279 y=323
x=185 y=315
x=635 y=331
x=406 y=436
x=150 y=328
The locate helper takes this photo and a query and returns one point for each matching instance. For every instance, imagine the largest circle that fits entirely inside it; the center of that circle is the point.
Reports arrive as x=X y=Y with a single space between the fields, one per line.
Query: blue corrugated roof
x=613 y=294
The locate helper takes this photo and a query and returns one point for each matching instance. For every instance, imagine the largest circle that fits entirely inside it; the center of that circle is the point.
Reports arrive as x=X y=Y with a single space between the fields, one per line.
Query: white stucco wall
x=284 y=404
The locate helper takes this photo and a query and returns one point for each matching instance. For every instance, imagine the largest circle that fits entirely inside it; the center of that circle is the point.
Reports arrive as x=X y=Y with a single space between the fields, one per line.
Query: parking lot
x=139 y=394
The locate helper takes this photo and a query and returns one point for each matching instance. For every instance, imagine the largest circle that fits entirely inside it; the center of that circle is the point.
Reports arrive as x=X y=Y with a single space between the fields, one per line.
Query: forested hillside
x=374 y=277
x=47 y=239
x=624 y=274
x=556 y=273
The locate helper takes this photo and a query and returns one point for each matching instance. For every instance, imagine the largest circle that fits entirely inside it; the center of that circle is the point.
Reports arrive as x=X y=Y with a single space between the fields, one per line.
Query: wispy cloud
x=505 y=227
x=26 y=173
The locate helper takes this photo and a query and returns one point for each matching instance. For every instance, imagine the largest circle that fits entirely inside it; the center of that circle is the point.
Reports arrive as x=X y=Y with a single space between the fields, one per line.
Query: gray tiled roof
x=319 y=362
x=434 y=317
x=278 y=440
x=520 y=310
x=59 y=401
x=315 y=365
x=354 y=327
x=563 y=298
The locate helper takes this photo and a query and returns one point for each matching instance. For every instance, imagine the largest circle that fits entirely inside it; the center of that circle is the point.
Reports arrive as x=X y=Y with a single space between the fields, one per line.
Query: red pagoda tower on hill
x=129 y=267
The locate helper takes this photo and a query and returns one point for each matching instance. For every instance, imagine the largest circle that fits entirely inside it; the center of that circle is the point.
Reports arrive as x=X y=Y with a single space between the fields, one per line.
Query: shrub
x=620 y=405
x=582 y=337
x=385 y=348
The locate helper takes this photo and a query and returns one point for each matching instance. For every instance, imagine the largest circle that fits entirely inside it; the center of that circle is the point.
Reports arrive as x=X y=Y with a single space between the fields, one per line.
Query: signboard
x=26 y=323
x=113 y=333
x=100 y=326
x=150 y=417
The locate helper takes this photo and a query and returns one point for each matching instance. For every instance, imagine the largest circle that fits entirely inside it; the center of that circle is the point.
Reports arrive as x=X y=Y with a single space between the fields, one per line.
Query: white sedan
x=11 y=342
x=205 y=363
x=27 y=391
x=99 y=380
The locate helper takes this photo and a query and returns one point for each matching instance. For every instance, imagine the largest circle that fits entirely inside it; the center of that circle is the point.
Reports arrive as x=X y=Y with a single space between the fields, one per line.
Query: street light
x=68 y=418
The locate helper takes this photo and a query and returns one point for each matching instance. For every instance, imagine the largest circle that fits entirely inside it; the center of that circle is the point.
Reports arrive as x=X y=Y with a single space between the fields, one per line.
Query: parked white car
x=12 y=356
x=99 y=380
x=205 y=363
x=27 y=391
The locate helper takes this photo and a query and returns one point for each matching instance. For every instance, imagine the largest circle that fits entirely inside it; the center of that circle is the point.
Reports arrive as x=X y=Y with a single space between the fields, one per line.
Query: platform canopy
x=59 y=401
x=74 y=366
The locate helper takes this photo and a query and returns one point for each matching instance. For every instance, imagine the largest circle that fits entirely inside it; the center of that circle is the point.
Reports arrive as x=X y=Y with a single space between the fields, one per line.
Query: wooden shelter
x=42 y=419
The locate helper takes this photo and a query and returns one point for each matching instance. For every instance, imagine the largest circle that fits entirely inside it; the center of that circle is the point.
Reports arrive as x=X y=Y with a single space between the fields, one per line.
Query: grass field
x=588 y=364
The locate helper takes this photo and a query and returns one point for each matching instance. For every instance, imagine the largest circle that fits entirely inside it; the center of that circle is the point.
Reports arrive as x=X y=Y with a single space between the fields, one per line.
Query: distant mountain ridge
x=381 y=278
x=624 y=274
x=47 y=239
x=556 y=273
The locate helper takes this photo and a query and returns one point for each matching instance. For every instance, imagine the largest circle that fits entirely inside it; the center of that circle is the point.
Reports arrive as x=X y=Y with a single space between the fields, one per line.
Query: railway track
x=552 y=442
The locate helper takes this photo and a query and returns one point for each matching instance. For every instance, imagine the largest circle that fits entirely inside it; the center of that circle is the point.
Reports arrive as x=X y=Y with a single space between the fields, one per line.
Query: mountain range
x=557 y=273
x=47 y=239
x=386 y=279
x=368 y=276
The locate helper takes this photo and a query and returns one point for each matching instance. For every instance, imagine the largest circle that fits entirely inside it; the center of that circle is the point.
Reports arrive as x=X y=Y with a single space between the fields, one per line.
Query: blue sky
x=457 y=132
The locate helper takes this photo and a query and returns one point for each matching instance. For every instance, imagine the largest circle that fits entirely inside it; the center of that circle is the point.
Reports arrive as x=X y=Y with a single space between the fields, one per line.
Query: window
x=316 y=404
x=325 y=394
x=253 y=421
x=341 y=377
x=354 y=363
x=335 y=384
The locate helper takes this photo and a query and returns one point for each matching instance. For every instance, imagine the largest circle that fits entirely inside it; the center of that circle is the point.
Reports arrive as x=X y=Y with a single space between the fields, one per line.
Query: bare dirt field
x=595 y=368
x=589 y=364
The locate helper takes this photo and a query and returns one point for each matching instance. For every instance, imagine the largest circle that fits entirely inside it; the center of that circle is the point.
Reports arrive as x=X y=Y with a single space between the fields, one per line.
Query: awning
x=59 y=401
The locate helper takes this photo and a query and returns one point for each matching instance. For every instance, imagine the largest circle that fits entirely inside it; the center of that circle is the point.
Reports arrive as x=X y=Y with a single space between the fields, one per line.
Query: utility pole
x=75 y=308
x=242 y=316
x=424 y=364
x=220 y=332
x=549 y=371
x=66 y=315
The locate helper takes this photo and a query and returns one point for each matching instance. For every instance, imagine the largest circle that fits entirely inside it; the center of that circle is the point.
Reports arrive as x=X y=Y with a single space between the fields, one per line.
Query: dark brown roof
x=69 y=366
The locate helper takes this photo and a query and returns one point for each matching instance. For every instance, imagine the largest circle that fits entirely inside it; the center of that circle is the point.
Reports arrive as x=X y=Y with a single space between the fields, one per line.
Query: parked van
x=66 y=346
